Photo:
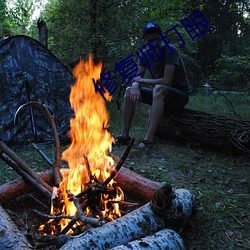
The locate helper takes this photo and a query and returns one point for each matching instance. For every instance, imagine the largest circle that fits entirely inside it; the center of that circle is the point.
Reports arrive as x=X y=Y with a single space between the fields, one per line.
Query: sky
x=39 y=5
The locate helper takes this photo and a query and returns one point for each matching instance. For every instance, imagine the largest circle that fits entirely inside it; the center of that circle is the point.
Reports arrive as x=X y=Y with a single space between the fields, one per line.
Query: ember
x=87 y=188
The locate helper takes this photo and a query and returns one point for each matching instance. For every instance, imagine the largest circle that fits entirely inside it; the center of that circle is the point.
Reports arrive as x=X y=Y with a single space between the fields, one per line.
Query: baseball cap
x=149 y=26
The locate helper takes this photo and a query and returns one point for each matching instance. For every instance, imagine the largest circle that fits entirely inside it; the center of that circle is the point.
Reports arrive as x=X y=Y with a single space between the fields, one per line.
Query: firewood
x=163 y=239
x=136 y=185
x=26 y=176
x=150 y=218
x=10 y=237
x=11 y=154
x=132 y=183
x=120 y=163
x=18 y=187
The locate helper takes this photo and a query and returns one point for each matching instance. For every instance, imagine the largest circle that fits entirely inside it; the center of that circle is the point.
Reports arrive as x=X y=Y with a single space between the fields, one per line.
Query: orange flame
x=90 y=138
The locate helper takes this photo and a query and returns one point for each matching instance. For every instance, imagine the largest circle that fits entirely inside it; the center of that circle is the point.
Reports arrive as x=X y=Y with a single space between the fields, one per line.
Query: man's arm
x=135 y=93
x=167 y=79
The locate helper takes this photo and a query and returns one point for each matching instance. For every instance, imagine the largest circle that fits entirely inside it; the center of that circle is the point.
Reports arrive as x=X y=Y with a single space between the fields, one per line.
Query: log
x=211 y=131
x=18 y=187
x=150 y=218
x=163 y=239
x=136 y=185
x=131 y=182
x=22 y=164
x=25 y=176
x=10 y=237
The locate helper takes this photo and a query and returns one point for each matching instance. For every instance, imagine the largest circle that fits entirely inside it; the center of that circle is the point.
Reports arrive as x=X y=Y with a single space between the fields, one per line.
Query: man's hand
x=138 y=79
x=135 y=93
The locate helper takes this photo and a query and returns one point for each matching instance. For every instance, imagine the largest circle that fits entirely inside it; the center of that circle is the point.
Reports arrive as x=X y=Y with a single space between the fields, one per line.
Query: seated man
x=169 y=87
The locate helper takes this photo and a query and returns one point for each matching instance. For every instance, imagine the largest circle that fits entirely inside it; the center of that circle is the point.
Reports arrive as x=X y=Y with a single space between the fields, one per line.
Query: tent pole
x=33 y=125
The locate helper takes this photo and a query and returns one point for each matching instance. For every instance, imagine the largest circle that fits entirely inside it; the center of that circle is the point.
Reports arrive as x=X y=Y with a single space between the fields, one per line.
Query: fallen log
x=10 y=237
x=212 y=131
x=163 y=239
x=148 y=219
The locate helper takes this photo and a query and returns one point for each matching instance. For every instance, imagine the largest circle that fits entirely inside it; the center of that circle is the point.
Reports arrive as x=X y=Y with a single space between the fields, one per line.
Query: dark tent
x=29 y=71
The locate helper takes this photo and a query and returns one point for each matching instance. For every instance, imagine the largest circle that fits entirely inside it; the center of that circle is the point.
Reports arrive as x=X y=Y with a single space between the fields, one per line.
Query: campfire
x=87 y=198
x=87 y=188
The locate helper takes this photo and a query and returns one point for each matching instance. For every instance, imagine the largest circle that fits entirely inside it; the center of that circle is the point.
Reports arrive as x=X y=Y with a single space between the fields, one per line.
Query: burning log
x=216 y=132
x=165 y=210
x=10 y=237
x=163 y=239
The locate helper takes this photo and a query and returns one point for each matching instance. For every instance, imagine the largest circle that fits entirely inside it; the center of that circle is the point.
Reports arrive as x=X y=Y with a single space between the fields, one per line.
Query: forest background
x=111 y=30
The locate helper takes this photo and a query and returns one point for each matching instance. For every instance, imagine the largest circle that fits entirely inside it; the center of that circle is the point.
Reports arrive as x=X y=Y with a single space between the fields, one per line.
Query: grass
x=219 y=180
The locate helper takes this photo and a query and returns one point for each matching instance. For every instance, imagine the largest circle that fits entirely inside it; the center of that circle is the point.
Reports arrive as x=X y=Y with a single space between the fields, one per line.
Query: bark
x=212 y=131
x=18 y=187
x=140 y=187
x=150 y=218
x=163 y=239
x=43 y=32
x=138 y=223
x=10 y=237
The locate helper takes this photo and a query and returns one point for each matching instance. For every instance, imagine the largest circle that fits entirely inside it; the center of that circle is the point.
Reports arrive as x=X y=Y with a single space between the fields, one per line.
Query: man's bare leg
x=156 y=113
x=128 y=110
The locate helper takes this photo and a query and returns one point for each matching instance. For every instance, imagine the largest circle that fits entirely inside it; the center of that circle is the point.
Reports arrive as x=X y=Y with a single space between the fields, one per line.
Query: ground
x=219 y=180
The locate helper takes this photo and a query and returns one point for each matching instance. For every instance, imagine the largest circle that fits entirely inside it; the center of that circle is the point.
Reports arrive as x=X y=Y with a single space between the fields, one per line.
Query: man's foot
x=146 y=144
x=122 y=141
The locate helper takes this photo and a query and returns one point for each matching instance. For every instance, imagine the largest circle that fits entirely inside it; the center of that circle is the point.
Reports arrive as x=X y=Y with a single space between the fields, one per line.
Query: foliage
x=111 y=30
x=232 y=72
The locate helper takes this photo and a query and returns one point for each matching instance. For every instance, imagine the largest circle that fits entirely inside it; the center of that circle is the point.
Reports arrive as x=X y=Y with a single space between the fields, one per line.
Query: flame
x=88 y=155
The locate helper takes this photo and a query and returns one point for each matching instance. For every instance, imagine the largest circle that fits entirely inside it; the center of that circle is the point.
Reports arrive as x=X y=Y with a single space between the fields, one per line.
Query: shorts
x=174 y=100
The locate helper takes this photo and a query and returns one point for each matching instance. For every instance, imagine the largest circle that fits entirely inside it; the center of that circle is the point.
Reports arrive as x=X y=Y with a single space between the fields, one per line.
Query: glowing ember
x=87 y=157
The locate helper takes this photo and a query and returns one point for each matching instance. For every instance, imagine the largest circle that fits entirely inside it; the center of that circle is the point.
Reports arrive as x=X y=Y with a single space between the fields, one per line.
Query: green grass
x=234 y=106
x=220 y=181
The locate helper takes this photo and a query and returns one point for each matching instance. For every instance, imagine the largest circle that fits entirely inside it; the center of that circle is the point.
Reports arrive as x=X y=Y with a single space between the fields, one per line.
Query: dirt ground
x=220 y=182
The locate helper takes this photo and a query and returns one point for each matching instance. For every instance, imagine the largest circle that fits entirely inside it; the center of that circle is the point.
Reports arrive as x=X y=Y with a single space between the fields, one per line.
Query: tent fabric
x=29 y=71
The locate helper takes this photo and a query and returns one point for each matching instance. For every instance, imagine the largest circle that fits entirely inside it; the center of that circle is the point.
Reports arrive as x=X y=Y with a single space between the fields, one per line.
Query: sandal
x=146 y=144
x=121 y=141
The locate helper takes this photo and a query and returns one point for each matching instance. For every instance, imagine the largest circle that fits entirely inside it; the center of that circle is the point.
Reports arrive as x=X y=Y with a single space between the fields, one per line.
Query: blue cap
x=149 y=26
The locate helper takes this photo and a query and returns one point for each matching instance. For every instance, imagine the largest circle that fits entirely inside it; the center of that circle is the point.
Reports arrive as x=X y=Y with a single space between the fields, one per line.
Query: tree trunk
x=212 y=131
x=43 y=32
x=10 y=237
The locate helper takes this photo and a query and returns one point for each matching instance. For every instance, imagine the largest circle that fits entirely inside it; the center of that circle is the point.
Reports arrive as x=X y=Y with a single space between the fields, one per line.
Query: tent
x=30 y=72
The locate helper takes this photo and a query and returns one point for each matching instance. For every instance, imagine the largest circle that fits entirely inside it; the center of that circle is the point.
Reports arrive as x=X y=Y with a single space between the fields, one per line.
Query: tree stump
x=212 y=131
x=43 y=32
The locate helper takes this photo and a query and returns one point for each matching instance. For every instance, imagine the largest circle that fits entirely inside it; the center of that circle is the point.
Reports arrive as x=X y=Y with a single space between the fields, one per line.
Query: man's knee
x=159 y=91
x=127 y=92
